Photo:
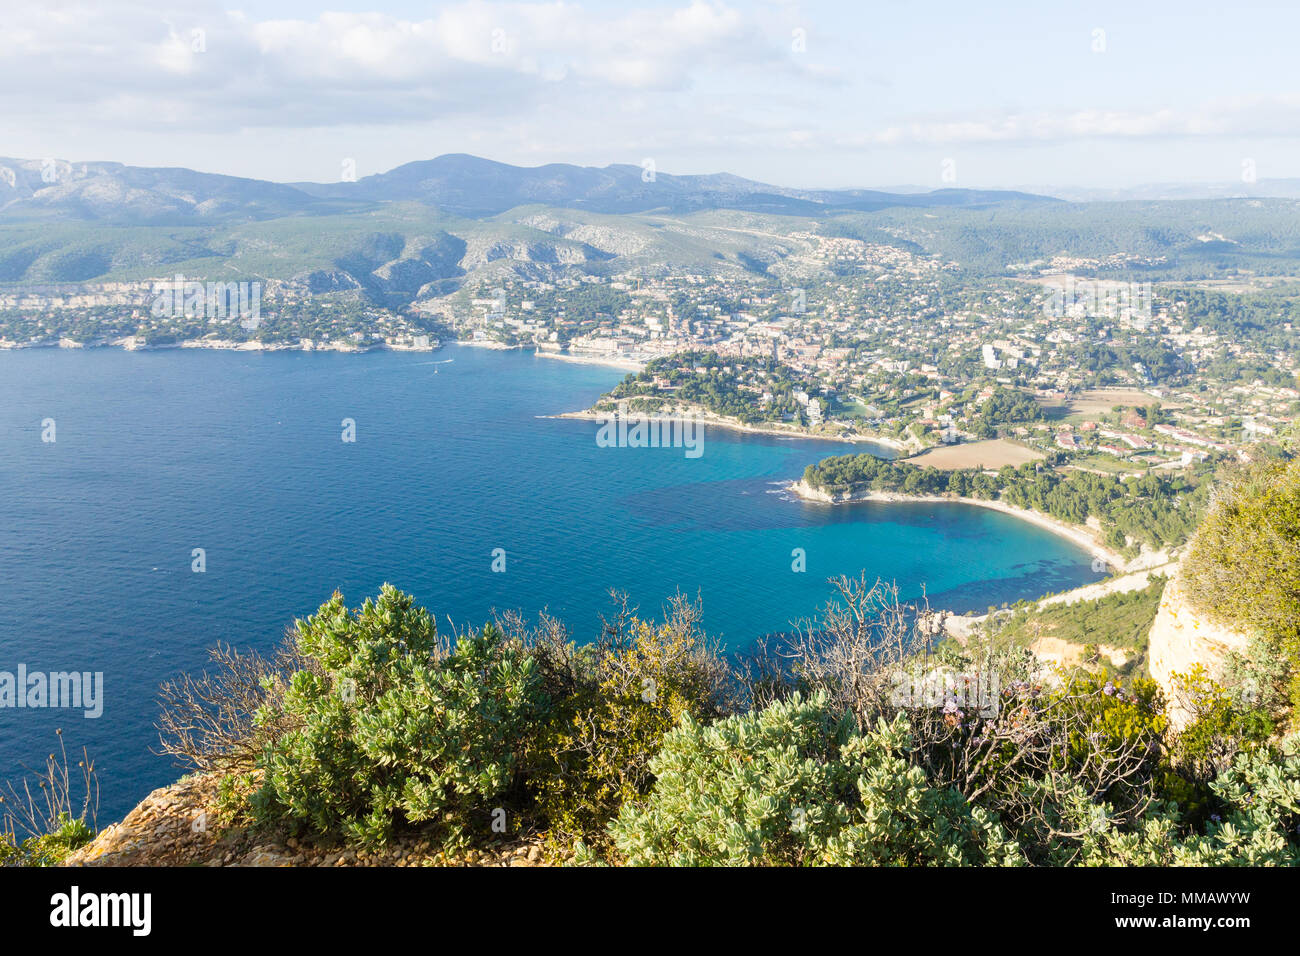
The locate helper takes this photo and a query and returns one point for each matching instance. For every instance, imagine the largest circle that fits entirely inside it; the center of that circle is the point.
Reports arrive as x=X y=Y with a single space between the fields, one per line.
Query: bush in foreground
x=52 y=814
x=608 y=717
x=1258 y=823
x=796 y=784
x=858 y=744
x=393 y=726
x=50 y=849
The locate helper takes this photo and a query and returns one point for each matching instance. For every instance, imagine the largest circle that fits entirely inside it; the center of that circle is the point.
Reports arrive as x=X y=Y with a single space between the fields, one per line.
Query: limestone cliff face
x=1180 y=639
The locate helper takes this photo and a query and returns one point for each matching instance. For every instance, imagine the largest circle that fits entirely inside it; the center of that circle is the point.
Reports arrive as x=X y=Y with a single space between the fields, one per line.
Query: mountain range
x=427 y=229
x=459 y=184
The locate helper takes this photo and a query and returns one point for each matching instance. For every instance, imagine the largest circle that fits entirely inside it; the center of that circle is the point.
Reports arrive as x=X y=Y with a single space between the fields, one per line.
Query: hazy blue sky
x=881 y=92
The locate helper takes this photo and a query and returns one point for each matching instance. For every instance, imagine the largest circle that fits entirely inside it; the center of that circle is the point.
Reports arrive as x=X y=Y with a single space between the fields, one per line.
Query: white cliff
x=1181 y=638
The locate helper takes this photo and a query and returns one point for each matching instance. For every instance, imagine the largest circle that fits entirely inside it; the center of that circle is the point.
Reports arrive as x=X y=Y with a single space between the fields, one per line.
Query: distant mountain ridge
x=100 y=190
x=426 y=229
x=458 y=183
x=1176 y=192
x=474 y=187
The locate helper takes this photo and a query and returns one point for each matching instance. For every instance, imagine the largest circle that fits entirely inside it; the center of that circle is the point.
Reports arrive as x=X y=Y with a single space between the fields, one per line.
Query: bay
x=241 y=455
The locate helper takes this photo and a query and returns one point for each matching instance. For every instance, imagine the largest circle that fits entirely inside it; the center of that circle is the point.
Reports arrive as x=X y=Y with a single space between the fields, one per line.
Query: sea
x=155 y=503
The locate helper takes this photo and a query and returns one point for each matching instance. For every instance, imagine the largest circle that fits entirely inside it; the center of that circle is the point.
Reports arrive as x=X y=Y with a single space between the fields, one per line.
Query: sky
x=818 y=94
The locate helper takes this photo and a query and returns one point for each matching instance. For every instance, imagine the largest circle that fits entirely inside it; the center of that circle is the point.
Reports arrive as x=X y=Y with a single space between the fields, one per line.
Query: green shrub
x=595 y=747
x=391 y=727
x=51 y=849
x=40 y=823
x=1112 y=716
x=1242 y=569
x=1045 y=742
x=1259 y=796
x=624 y=749
x=1257 y=676
x=795 y=784
x=1220 y=725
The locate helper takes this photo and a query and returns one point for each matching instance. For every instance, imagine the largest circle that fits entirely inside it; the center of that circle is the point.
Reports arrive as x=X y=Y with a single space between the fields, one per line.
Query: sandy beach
x=1128 y=575
x=1080 y=535
x=630 y=365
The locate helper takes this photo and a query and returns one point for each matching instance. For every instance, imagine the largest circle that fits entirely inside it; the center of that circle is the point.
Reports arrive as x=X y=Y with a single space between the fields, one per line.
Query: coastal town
x=850 y=340
x=902 y=349
x=173 y=312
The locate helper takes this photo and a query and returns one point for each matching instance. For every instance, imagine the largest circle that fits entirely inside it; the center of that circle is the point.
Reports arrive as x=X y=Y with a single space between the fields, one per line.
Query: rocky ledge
x=177 y=826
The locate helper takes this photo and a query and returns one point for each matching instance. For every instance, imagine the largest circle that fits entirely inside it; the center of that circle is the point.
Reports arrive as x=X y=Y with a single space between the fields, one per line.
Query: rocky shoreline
x=224 y=345
x=718 y=421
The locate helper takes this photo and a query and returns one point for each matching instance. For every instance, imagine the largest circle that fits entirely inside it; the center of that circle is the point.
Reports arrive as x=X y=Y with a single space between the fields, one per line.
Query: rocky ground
x=176 y=826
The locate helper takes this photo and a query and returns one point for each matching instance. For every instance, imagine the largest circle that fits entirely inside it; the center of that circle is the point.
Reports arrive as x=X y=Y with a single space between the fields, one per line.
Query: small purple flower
x=1109 y=689
x=1215 y=817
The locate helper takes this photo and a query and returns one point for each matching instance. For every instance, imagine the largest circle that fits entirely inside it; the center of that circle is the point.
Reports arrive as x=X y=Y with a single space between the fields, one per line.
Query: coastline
x=223 y=345
x=1078 y=534
x=627 y=364
x=717 y=421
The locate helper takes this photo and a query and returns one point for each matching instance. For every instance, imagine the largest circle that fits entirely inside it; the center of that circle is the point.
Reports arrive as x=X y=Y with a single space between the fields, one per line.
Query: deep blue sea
x=241 y=454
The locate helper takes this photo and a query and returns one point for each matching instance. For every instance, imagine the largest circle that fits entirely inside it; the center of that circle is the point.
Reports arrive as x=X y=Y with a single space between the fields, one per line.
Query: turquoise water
x=159 y=453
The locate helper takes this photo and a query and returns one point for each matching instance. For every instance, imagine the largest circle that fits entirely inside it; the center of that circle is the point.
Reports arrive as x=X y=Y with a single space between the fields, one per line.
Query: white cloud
x=1244 y=116
x=351 y=68
x=699 y=84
